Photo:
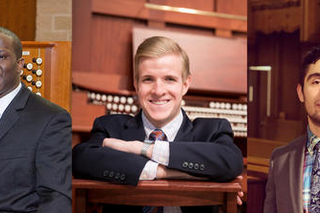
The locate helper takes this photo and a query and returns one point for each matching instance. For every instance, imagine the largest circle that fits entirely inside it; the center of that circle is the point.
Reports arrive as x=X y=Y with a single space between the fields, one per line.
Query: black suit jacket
x=207 y=143
x=35 y=156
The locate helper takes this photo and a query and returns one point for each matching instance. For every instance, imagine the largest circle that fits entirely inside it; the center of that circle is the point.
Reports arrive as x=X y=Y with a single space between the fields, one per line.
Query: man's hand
x=126 y=146
x=164 y=173
x=240 y=194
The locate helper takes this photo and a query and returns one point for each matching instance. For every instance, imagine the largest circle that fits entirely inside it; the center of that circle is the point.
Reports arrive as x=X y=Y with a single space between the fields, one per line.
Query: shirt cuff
x=161 y=152
x=149 y=171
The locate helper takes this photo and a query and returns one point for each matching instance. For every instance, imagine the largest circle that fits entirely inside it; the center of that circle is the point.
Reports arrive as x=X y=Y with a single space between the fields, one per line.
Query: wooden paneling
x=259 y=153
x=262 y=148
x=138 y=10
x=209 y=56
x=206 y=5
x=288 y=16
x=102 y=39
x=281 y=51
x=256 y=194
x=311 y=21
x=276 y=20
x=19 y=16
x=83 y=115
x=237 y=7
x=81 y=35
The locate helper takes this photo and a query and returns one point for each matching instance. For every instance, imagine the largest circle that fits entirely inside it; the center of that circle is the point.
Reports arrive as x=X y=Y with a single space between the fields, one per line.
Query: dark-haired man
x=35 y=141
x=294 y=177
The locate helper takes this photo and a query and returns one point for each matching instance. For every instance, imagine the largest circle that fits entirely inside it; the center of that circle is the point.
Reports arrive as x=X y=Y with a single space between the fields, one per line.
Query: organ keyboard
x=234 y=111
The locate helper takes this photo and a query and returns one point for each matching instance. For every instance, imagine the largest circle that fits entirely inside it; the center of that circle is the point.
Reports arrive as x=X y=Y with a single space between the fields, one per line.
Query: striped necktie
x=315 y=181
x=157 y=135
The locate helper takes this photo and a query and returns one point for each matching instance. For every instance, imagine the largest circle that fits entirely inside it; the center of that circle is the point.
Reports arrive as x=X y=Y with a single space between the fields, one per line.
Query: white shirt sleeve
x=149 y=171
x=161 y=152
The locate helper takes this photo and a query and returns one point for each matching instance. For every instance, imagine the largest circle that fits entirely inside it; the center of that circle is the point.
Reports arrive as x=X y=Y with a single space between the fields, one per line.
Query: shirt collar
x=170 y=130
x=6 y=100
x=310 y=144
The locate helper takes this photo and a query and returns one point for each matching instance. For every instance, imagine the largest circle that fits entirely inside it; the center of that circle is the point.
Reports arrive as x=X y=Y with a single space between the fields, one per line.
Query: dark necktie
x=155 y=135
x=315 y=182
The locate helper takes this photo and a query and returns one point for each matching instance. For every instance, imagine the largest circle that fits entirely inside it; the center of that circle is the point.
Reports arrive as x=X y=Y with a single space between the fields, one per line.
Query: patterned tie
x=315 y=181
x=155 y=135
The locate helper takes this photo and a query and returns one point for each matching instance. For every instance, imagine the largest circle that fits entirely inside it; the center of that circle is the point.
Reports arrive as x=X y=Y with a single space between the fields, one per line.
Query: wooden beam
x=138 y=10
x=276 y=20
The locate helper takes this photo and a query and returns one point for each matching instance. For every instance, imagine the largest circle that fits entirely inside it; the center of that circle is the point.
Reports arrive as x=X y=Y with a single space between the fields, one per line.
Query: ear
x=300 y=93
x=186 y=85
x=20 y=63
x=135 y=84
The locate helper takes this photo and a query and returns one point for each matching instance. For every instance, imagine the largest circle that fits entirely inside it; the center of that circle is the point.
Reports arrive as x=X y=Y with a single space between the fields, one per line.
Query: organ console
x=47 y=70
x=234 y=111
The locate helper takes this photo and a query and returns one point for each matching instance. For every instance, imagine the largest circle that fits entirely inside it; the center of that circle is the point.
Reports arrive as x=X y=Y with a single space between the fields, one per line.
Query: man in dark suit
x=35 y=141
x=294 y=177
x=160 y=141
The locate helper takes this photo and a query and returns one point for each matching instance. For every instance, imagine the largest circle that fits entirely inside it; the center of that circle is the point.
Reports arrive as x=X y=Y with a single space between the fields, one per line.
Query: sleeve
x=92 y=161
x=149 y=171
x=208 y=152
x=53 y=165
x=161 y=152
x=270 y=204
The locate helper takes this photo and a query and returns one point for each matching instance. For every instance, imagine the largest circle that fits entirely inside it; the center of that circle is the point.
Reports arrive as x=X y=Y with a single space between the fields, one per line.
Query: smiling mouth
x=159 y=102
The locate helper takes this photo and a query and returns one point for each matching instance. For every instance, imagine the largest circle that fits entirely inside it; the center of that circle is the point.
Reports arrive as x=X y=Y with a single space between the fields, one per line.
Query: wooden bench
x=155 y=193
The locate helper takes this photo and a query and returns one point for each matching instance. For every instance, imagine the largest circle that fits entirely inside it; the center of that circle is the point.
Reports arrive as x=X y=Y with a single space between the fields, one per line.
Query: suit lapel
x=296 y=173
x=184 y=133
x=134 y=129
x=11 y=115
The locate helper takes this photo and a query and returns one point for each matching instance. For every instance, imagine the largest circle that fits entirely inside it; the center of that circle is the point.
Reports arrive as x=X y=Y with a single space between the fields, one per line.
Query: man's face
x=10 y=66
x=310 y=94
x=160 y=88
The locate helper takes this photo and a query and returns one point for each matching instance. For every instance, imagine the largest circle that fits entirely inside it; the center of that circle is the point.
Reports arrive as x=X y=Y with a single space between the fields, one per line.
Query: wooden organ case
x=47 y=70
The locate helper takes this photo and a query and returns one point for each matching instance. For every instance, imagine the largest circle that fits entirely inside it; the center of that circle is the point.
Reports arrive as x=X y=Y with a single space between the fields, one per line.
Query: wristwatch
x=145 y=146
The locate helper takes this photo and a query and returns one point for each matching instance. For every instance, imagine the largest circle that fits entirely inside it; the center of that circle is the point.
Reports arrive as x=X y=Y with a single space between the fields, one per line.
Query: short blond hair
x=156 y=47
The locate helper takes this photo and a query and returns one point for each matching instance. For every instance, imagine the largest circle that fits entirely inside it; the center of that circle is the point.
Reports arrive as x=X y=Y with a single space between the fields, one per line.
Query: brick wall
x=54 y=20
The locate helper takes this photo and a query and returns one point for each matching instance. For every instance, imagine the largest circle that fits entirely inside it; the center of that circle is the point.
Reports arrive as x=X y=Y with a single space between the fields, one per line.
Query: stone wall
x=54 y=20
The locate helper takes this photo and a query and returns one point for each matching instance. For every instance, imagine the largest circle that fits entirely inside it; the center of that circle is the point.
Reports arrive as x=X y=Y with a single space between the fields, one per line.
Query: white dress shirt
x=6 y=100
x=161 y=148
x=161 y=151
